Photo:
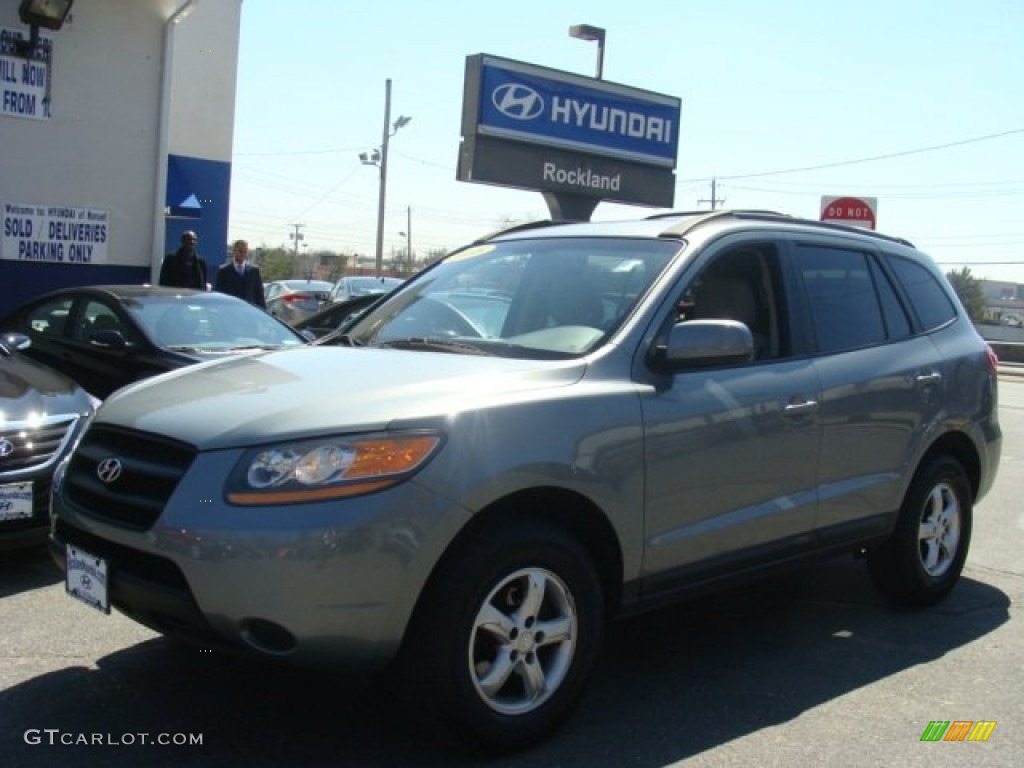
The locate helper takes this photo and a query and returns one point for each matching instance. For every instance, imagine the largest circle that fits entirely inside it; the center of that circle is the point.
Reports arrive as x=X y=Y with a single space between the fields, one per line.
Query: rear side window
x=843 y=296
x=930 y=301
x=50 y=317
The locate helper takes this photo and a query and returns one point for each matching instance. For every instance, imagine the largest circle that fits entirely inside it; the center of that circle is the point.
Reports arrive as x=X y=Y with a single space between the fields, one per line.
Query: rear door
x=880 y=385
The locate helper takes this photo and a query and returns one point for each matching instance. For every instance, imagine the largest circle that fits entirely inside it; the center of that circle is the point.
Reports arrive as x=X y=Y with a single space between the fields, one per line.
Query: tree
x=274 y=263
x=968 y=288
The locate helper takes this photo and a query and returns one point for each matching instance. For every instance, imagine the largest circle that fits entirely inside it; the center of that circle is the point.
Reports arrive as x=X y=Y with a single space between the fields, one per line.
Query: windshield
x=555 y=297
x=210 y=324
x=359 y=286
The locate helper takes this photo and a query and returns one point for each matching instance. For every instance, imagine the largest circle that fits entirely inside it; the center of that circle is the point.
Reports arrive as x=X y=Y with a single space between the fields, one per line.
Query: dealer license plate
x=15 y=501
x=86 y=578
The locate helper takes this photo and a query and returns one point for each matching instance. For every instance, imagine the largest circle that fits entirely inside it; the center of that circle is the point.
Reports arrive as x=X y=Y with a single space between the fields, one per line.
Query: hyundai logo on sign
x=517 y=101
x=523 y=102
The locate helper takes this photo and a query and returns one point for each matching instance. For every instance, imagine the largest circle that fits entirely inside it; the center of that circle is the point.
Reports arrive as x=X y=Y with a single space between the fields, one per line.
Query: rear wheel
x=923 y=559
x=506 y=636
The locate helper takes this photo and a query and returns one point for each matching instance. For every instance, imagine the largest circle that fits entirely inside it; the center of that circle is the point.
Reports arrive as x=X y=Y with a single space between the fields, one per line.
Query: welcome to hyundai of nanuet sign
x=553 y=131
x=52 y=233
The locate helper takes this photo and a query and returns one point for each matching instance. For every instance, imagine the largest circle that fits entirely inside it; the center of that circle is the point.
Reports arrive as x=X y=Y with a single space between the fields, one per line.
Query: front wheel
x=923 y=559
x=506 y=636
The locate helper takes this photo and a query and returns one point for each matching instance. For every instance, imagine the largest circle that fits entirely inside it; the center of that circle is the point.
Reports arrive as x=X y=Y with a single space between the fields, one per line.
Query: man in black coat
x=184 y=268
x=240 y=278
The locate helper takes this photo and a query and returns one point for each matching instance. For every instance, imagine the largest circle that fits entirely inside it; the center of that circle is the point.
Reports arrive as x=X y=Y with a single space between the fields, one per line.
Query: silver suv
x=546 y=429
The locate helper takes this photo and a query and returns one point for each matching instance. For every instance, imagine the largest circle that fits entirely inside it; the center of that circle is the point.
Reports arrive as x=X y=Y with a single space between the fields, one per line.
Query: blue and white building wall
x=126 y=144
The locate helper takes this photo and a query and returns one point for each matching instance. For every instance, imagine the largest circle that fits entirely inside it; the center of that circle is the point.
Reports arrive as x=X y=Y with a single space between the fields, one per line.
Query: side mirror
x=14 y=340
x=705 y=343
x=108 y=339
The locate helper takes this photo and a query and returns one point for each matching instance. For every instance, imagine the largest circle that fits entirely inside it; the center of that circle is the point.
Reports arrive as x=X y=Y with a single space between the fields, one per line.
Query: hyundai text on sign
x=544 y=106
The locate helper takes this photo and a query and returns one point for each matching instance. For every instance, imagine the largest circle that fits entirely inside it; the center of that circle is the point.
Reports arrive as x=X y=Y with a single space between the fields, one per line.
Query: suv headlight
x=328 y=467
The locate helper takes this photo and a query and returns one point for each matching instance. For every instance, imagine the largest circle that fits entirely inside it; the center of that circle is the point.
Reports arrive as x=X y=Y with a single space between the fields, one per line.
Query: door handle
x=928 y=378
x=800 y=409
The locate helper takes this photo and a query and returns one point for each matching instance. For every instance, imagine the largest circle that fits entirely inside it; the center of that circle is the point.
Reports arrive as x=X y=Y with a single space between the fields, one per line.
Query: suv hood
x=26 y=387
x=321 y=390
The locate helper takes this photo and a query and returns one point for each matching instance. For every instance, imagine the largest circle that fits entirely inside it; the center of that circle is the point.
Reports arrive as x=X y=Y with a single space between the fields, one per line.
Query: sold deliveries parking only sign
x=852 y=211
x=54 y=233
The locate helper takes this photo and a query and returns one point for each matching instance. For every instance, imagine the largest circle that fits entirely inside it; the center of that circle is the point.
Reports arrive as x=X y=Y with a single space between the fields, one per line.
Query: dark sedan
x=105 y=337
x=41 y=413
x=336 y=316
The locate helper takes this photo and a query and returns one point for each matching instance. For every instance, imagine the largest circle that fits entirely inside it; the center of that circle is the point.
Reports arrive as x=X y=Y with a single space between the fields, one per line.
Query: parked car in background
x=361 y=285
x=105 y=337
x=295 y=300
x=556 y=425
x=41 y=414
x=336 y=316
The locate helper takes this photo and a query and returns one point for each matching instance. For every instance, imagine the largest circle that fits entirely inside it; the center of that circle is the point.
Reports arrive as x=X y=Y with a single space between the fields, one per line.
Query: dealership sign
x=852 y=211
x=54 y=234
x=576 y=135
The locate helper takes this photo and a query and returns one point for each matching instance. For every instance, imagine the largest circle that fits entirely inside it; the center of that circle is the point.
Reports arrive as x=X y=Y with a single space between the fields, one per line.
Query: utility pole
x=408 y=239
x=295 y=237
x=715 y=200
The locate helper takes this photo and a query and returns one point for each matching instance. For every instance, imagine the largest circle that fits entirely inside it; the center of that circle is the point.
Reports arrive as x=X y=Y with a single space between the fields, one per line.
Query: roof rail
x=539 y=224
x=698 y=218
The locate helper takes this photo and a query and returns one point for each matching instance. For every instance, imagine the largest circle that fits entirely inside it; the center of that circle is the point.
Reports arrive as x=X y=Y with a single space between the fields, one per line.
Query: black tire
x=925 y=555
x=537 y=676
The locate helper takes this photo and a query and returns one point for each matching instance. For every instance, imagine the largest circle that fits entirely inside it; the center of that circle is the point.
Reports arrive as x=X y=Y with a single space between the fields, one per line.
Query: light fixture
x=49 y=14
x=587 y=32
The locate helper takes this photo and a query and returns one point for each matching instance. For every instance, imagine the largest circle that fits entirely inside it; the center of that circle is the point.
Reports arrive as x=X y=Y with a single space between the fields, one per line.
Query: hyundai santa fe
x=549 y=428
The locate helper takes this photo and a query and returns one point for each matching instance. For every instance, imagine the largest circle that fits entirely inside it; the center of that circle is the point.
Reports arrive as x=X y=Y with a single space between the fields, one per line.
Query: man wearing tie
x=240 y=278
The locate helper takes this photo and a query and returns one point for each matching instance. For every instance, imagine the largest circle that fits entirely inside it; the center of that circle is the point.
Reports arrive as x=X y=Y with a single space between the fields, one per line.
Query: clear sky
x=919 y=103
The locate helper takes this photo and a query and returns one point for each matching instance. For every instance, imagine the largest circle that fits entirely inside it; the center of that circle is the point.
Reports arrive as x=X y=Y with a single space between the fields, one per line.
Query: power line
x=874 y=158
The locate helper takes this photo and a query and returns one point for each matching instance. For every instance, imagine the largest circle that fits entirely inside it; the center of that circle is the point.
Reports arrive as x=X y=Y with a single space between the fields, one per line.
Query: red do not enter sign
x=853 y=211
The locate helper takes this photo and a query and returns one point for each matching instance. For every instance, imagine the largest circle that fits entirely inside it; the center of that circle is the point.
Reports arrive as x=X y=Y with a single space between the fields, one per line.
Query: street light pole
x=587 y=32
x=383 y=176
x=380 y=159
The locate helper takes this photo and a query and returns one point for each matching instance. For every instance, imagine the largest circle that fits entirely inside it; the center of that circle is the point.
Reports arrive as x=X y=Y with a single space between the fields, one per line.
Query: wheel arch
x=564 y=509
x=959 y=446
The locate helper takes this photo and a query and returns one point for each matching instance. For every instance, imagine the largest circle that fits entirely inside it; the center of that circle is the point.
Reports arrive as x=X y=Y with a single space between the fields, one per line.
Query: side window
x=49 y=318
x=843 y=297
x=931 y=302
x=97 y=316
x=897 y=324
x=742 y=284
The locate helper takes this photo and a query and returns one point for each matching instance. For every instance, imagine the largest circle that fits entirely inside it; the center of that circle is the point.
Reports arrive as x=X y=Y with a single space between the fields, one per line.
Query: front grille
x=31 y=444
x=151 y=467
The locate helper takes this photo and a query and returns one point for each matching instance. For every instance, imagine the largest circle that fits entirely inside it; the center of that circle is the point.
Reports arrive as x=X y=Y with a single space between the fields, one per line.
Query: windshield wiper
x=434 y=345
x=344 y=339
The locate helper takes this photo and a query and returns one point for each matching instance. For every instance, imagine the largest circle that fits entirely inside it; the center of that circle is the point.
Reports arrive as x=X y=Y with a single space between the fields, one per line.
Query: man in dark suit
x=184 y=268
x=240 y=278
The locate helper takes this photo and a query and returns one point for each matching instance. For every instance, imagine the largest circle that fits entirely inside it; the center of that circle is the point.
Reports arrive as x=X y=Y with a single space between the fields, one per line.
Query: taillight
x=296 y=297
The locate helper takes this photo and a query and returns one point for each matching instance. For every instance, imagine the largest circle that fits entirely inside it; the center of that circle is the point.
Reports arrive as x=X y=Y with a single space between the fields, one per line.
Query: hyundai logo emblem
x=517 y=101
x=109 y=470
x=6 y=447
